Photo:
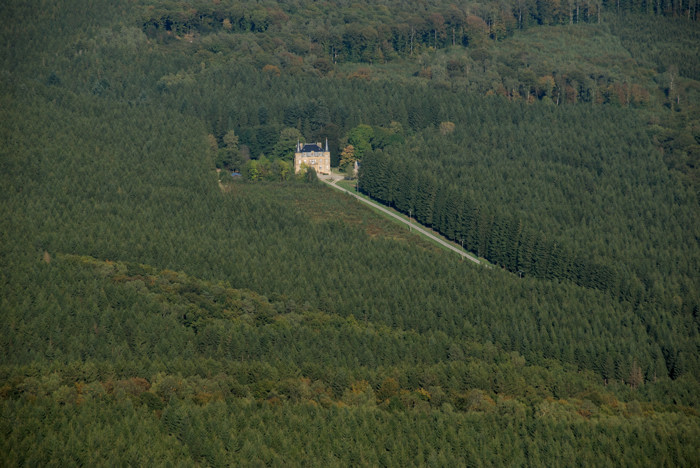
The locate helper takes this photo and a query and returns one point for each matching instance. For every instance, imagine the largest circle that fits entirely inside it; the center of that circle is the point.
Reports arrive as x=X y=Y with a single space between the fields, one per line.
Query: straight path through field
x=330 y=180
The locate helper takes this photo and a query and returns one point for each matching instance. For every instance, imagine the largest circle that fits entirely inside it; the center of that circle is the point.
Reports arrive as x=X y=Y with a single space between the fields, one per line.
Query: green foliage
x=152 y=314
x=360 y=138
x=262 y=168
x=289 y=137
x=241 y=359
x=552 y=209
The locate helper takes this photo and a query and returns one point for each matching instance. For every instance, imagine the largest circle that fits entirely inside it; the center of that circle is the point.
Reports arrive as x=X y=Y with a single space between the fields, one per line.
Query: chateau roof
x=309 y=147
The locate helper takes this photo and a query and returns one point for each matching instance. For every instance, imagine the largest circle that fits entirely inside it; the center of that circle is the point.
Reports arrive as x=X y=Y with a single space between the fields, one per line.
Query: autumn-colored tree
x=545 y=85
x=347 y=156
x=446 y=128
x=477 y=31
x=636 y=378
x=362 y=73
x=360 y=393
x=271 y=69
x=388 y=388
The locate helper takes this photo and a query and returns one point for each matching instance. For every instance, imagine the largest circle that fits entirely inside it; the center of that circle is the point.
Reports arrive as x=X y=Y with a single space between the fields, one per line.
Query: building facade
x=312 y=155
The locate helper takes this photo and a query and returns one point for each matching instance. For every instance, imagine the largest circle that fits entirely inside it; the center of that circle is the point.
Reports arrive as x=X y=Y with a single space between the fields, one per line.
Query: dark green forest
x=156 y=310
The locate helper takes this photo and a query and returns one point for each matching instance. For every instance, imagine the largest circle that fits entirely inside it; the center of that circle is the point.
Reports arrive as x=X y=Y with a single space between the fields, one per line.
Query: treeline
x=242 y=432
x=225 y=78
x=380 y=31
x=501 y=239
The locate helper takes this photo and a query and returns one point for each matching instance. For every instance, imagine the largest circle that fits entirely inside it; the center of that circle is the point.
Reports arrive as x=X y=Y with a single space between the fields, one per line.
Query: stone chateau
x=312 y=155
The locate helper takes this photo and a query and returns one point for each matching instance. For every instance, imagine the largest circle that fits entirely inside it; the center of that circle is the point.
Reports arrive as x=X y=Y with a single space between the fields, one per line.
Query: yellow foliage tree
x=360 y=393
x=271 y=69
x=347 y=156
x=446 y=128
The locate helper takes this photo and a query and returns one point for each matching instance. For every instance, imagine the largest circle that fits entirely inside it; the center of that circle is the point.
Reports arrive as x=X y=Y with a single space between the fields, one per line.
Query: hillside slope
x=140 y=365
x=149 y=317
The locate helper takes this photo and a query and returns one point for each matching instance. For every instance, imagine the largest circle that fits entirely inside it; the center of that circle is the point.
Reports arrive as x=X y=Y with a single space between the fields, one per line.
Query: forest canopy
x=154 y=307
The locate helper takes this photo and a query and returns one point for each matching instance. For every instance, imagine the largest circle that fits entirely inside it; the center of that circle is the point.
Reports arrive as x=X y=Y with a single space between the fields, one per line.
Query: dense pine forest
x=156 y=310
